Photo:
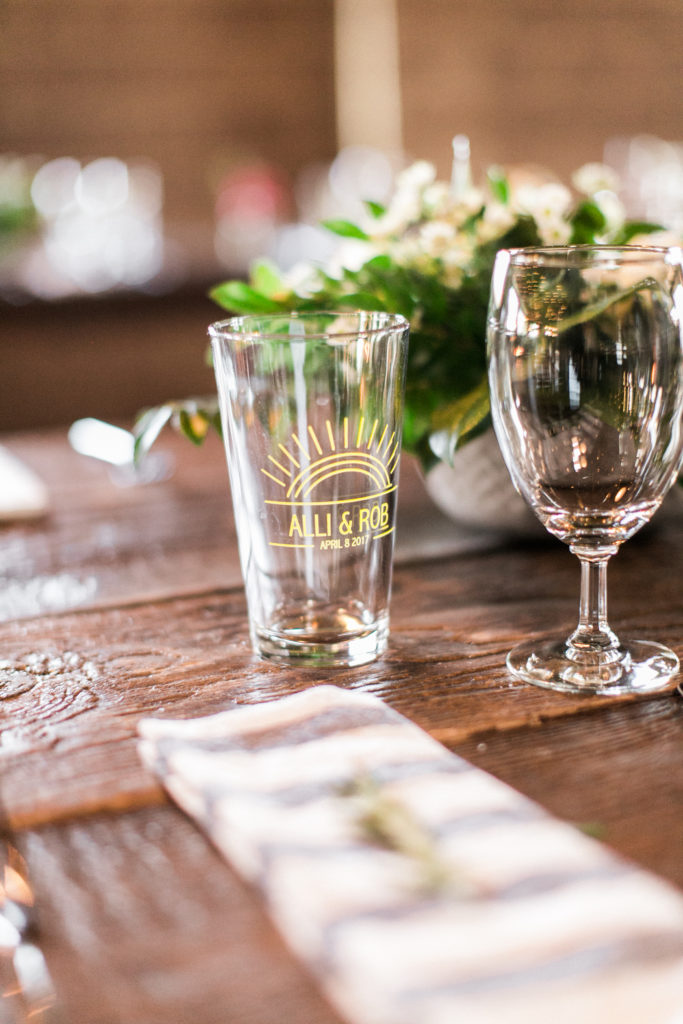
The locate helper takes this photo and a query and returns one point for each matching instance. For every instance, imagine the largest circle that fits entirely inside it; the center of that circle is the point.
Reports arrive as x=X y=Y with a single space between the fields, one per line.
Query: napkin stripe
x=319 y=725
x=574 y=965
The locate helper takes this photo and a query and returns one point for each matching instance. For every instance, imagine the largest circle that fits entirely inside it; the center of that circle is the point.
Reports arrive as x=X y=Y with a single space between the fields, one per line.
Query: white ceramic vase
x=476 y=490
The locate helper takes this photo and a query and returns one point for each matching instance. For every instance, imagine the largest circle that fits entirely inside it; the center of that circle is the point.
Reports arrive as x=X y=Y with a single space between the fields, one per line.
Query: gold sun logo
x=300 y=468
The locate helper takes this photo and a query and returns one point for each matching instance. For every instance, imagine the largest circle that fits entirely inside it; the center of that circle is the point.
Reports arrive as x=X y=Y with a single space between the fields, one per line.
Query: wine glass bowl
x=586 y=381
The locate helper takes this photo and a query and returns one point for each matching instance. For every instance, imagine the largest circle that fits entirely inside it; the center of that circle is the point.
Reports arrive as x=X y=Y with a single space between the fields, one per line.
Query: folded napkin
x=22 y=494
x=417 y=888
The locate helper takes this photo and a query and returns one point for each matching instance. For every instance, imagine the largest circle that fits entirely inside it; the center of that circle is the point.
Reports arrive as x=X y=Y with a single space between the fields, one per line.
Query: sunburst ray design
x=332 y=465
x=362 y=449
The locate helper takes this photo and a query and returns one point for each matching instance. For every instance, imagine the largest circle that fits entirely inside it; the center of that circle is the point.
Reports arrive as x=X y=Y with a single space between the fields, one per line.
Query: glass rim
x=576 y=255
x=245 y=326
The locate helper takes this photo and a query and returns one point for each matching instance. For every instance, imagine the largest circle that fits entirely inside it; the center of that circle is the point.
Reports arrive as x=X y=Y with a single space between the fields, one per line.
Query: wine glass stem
x=593 y=632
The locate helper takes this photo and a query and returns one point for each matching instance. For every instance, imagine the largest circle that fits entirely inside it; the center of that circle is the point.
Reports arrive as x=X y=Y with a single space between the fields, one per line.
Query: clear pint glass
x=311 y=408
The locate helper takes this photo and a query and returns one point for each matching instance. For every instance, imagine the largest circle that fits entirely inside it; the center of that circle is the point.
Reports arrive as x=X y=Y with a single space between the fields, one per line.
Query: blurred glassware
x=255 y=207
x=651 y=173
x=586 y=376
x=102 y=222
x=27 y=992
x=253 y=200
x=359 y=172
x=95 y=227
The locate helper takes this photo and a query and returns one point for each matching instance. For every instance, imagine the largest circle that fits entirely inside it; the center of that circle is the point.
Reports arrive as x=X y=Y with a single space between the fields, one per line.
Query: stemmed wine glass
x=586 y=378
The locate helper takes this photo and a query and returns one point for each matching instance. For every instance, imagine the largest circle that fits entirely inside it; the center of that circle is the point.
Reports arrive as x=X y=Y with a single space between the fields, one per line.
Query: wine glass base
x=635 y=667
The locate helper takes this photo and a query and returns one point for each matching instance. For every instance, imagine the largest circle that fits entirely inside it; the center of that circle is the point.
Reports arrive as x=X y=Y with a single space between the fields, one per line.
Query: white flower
x=498 y=218
x=303 y=279
x=404 y=209
x=469 y=202
x=592 y=178
x=453 y=275
x=554 y=230
x=436 y=236
x=455 y=261
x=612 y=210
x=548 y=204
x=416 y=177
x=351 y=255
x=437 y=199
x=543 y=202
x=409 y=252
x=406 y=205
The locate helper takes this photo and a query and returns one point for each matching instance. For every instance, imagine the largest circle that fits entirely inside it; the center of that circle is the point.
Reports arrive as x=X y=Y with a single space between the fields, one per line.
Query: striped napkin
x=417 y=888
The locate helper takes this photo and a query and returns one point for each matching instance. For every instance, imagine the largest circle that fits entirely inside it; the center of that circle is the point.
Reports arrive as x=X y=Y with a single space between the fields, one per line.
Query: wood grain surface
x=128 y=601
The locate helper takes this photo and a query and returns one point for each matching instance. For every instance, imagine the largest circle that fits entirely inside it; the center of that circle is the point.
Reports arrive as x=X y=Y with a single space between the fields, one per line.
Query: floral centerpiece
x=428 y=254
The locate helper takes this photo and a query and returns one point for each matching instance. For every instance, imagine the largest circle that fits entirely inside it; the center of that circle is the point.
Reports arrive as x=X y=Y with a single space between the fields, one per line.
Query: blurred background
x=149 y=149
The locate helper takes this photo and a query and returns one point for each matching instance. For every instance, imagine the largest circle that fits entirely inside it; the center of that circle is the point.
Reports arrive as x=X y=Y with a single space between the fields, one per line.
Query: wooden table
x=128 y=601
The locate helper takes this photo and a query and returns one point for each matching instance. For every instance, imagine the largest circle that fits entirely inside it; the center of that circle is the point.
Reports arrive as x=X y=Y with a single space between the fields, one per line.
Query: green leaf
x=194 y=424
x=458 y=421
x=375 y=210
x=471 y=222
x=587 y=221
x=382 y=261
x=147 y=428
x=266 y=278
x=238 y=297
x=361 y=300
x=345 y=229
x=193 y=417
x=499 y=185
x=635 y=227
